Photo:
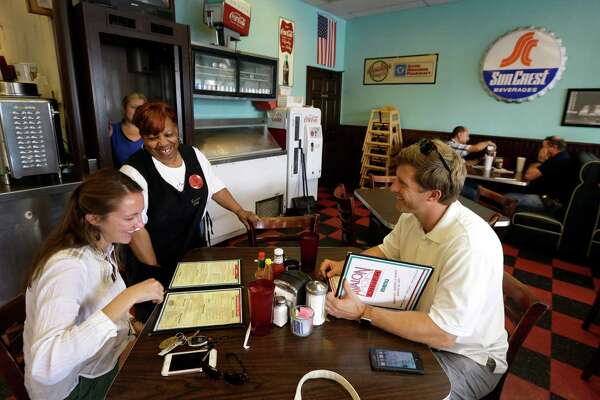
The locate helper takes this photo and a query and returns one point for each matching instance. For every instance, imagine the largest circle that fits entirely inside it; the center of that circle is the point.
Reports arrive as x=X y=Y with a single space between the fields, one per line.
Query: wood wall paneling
x=349 y=140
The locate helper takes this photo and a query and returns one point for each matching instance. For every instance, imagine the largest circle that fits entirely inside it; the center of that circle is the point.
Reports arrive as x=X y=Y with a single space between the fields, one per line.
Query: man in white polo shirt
x=461 y=311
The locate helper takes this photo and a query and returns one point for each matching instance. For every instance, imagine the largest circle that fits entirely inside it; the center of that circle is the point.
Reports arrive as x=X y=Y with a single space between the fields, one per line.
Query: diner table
x=276 y=362
x=477 y=172
x=381 y=202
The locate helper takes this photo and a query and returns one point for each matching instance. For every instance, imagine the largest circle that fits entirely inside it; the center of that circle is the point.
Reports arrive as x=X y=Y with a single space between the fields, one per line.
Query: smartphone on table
x=186 y=362
x=396 y=361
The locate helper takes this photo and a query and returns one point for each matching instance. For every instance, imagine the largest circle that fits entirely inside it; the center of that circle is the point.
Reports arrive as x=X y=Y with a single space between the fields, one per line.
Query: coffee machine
x=28 y=139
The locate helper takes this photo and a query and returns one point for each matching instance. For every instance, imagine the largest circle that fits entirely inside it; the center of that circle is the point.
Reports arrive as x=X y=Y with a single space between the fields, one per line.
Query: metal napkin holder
x=291 y=285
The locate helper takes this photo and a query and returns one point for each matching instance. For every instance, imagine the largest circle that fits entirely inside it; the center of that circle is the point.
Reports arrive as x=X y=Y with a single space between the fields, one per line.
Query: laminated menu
x=206 y=273
x=202 y=294
x=200 y=309
x=382 y=282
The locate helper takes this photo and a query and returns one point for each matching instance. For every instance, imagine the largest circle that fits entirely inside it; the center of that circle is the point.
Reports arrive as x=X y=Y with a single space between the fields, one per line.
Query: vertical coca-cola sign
x=286 y=52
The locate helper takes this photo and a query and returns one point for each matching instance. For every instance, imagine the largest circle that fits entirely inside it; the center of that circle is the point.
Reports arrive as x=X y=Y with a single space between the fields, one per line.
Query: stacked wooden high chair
x=383 y=139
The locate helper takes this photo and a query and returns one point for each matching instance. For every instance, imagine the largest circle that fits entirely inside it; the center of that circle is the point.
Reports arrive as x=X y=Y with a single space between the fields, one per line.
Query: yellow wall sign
x=400 y=70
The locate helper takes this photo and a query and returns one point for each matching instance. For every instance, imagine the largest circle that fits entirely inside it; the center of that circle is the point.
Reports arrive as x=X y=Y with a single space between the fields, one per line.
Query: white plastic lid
x=278 y=251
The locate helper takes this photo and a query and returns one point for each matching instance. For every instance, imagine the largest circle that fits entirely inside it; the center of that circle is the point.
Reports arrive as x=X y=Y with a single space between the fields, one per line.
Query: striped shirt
x=461 y=149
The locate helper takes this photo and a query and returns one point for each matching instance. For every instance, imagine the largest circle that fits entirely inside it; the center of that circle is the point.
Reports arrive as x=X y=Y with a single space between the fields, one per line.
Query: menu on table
x=206 y=273
x=200 y=309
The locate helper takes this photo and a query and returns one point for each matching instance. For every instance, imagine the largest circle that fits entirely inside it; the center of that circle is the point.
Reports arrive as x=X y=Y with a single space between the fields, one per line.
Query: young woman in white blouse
x=77 y=306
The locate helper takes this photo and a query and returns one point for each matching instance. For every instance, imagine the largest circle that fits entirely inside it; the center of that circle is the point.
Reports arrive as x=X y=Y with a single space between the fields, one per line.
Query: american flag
x=326 y=41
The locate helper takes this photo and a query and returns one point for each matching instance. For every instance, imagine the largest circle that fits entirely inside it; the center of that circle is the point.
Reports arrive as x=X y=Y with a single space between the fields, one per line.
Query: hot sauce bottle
x=278 y=266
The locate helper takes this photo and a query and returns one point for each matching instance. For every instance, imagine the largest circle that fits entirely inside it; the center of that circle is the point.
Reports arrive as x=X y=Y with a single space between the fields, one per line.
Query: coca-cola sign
x=286 y=52
x=286 y=36
x=236 y=16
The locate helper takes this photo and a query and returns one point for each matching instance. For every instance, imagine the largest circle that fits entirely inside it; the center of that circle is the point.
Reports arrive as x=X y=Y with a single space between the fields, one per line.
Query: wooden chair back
x=522 y=310
x=305 y=223
x=12 y=319
x=496 y=201
x=493 y=219
x=383 y=181
x=345 y=207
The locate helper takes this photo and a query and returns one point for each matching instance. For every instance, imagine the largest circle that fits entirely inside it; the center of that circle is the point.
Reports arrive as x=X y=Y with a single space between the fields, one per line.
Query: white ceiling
x=358 y=8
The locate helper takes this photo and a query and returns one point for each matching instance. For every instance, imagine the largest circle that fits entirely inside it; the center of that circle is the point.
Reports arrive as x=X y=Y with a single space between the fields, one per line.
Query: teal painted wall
x=461 y=32
x=262 y=40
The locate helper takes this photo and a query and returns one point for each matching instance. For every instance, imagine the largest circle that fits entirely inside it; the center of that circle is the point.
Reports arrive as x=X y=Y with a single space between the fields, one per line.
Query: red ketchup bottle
x=278 y=266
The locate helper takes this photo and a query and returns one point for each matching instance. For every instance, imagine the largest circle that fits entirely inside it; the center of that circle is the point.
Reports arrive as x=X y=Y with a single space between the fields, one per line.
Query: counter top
x=236 y=143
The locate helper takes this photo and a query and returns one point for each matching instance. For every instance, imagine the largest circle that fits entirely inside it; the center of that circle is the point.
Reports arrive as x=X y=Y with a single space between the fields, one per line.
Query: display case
x=229 y=74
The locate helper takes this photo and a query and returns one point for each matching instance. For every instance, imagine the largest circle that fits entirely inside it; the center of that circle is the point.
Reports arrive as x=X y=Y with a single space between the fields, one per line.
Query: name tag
x=196 y=201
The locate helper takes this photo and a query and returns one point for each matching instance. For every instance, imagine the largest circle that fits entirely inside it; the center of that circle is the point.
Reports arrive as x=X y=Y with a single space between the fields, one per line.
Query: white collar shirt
x=464 y=294
x=66 y=334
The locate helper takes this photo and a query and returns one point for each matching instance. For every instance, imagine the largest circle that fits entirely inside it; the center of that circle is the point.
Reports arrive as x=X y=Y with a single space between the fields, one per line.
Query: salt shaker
x=315 y=299
x=280 y=311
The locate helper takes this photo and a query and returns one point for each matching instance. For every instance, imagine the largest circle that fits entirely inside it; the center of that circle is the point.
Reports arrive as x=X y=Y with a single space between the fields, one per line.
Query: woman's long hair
x=99 y=194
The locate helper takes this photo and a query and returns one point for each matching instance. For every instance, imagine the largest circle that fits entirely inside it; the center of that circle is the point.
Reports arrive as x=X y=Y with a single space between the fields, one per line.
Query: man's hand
x=543 y=154
x=247 y=217
x=330 y=268
x=348 y=307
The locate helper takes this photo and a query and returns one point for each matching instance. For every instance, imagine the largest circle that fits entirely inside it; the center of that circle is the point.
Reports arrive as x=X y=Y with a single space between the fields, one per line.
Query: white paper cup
x=487 y=163
x=520 y=164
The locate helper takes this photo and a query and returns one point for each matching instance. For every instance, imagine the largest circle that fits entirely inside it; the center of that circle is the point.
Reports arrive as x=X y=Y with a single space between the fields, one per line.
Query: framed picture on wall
x=43 y=7
x=401 y=70
x=582 y=108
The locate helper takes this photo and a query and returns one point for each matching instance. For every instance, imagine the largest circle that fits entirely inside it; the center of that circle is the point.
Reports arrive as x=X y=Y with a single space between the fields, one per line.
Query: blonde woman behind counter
x=77 y=307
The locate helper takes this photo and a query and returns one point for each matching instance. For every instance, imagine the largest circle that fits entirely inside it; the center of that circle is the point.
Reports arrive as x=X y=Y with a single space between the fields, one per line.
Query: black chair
x=570 y=234
x=593 y=253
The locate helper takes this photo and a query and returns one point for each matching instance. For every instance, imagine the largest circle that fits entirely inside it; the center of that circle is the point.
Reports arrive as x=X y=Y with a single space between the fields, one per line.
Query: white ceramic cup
x=487 y=163
x=520 y=164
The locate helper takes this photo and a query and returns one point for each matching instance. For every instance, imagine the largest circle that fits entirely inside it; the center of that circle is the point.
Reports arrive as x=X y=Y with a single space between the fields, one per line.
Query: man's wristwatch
x=366 y=318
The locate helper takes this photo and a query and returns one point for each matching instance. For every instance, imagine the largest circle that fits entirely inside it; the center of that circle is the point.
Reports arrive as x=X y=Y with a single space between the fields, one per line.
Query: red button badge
x=196 y=181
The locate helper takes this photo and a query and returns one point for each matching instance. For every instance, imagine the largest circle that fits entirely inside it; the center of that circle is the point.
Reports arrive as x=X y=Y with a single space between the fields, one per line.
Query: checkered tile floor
x=549 y=364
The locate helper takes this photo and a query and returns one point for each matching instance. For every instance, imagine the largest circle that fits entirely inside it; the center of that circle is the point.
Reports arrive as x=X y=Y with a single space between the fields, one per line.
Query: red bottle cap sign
x=196 y=181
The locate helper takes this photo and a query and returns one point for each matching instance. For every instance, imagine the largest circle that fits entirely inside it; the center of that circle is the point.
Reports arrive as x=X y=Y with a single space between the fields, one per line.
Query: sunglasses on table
x=233 y=378
x=427 y=146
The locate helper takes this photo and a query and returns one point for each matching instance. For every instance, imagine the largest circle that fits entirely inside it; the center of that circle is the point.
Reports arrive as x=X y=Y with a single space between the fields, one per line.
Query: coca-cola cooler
x=298 y=130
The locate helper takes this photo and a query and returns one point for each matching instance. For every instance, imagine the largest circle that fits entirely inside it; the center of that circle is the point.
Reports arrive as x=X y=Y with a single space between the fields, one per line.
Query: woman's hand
x=148 y=290
x=330 y=268
x=247 y=217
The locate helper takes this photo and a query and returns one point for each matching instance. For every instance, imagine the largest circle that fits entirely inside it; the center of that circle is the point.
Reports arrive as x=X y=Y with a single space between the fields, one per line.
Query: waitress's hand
x=247 y=217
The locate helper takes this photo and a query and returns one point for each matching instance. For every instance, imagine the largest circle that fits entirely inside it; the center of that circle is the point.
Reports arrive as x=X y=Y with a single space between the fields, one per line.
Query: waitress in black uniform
x=177 y=182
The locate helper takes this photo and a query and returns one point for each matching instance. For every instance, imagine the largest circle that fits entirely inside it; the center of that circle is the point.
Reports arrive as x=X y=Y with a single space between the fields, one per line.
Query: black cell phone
x=396 y=361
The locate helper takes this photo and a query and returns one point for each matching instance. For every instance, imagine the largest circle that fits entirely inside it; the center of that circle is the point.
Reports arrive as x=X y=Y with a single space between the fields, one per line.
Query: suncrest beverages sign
x=523 y=64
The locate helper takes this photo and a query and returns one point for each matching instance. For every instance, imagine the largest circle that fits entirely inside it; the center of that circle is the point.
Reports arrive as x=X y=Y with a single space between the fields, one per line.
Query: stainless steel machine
x=28 y=140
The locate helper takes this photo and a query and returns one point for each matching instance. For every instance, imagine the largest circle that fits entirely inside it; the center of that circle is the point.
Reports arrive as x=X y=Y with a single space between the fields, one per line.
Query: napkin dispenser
x=291 y=285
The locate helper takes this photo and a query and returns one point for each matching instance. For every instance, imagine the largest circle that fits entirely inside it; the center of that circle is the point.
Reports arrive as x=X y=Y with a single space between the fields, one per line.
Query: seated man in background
x=461 y=311
x=552 y=179
x=459 y=139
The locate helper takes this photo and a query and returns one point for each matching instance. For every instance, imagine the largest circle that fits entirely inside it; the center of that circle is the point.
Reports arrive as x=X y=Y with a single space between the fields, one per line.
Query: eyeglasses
x=233 y=378
x=427 y=146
